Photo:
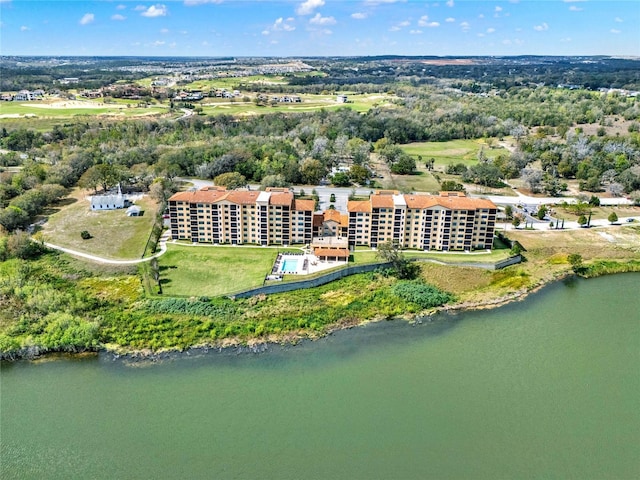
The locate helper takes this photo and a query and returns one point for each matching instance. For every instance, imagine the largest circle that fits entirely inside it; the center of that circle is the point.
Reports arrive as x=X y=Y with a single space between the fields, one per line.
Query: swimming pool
x=289 y=265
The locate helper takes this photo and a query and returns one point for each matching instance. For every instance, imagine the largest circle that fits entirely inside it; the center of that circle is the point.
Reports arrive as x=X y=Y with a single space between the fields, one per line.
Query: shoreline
x=259 y=344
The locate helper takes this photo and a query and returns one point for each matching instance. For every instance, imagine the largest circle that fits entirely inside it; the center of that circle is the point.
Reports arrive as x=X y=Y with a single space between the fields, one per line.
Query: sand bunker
x=73 y=104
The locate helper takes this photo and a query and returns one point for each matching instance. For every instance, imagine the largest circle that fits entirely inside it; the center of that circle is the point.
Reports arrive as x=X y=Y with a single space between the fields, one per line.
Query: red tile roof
x=304 y=205
x=331 y=252
x=359 y=206
x=283 y=199
x=333 y=215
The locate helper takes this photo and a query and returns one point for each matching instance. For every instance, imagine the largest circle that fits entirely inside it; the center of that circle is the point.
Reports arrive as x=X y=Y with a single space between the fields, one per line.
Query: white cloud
x=118 y=17
x=449 y=3
x=24 y=28
x=465 y=26
x=491 y=30
x=307 y=8
x=158 y=43
x=164 y=30
x=613 y=30
x=415 y=32
x=374 y=3
x=153 y=11
x=280 y=25
x=423 y=20
x=573 y=8
x=87 y=18
x=359 y=15
x=399 y=26
x=192 y=3
x=450 y=20
x=433 y=24
x=498 y=9
x=320 y=20
x=140 y=8
x=618 y=20
x=121 y=7
x=541 y=28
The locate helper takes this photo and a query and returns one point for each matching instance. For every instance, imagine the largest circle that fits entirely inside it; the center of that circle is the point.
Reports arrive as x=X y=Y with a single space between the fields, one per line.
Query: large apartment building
x=217 y=215
x=449 y=221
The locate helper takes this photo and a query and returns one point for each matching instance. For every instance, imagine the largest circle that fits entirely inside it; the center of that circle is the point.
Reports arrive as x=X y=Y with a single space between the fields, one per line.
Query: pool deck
x=305 y=264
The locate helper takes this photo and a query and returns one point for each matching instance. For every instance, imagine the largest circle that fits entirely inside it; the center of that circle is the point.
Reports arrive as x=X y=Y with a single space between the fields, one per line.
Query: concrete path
x=162 y=243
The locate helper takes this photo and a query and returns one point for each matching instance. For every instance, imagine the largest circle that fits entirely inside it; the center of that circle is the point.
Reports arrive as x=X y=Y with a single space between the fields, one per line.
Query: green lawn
x=454 y=151
x=499 y=253
x=213 y=271
x=114 y=235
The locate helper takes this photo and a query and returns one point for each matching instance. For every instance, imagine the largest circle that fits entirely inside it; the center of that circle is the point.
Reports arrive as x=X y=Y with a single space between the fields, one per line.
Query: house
x=341 y=99
x=109 y=201
x=23 y=96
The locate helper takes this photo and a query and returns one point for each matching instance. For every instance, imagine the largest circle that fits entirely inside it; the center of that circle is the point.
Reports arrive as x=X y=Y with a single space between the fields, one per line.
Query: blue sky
x=320 y=27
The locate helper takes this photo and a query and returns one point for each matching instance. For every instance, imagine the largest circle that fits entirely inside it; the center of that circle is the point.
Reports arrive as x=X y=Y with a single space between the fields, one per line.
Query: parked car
x=631 y=219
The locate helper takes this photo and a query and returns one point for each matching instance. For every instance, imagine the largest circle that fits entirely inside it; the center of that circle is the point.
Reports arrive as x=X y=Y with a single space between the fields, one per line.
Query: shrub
x=422 y=294
x=85 y=235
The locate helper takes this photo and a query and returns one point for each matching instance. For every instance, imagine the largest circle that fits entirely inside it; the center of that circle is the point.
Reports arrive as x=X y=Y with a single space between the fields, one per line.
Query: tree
x=516 y=222
x=451 y=186
x=359 y=174
x=532 y=178
x=312 y=171
x=13 y=218
x=613 y=218
x=552 y=186
x=542 y=212
x=508 y=211
x=405 y=165
x=575 y=260
x=273 y=181
x=20 y=245
x=582 y=220
x=231 y=180
x=341 y=179
x=154 y=268
x=390 y=252
x=103 y=174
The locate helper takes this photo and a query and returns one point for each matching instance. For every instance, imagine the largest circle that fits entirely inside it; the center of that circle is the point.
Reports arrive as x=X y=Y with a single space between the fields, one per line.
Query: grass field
x=114 y=235
x=453 y=151
x=213 y=271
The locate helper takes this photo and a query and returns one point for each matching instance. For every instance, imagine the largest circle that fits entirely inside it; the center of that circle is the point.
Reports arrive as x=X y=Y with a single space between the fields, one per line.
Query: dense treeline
x=281 y=149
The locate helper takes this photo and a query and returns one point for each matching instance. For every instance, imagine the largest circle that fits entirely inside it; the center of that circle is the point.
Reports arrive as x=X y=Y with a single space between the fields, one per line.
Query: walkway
x=162 y=243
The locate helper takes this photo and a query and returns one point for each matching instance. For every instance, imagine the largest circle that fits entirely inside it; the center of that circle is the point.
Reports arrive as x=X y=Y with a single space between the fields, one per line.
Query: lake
x=544 y=388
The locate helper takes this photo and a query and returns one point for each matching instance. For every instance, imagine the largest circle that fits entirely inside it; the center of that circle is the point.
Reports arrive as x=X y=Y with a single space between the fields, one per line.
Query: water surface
x=544 y=388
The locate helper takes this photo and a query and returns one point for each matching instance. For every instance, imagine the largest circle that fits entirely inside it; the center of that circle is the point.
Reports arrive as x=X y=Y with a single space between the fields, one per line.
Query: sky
x=293 y=28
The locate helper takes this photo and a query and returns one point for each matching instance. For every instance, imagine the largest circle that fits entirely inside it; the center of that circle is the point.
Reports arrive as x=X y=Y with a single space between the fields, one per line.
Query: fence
x=313 y=282
x=345 y=272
